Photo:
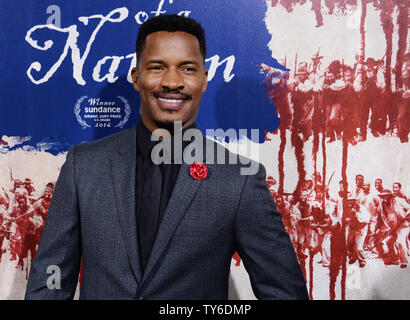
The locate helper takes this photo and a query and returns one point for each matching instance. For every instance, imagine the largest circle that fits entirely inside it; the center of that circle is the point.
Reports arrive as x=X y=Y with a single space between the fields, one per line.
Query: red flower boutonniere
x=198 y=171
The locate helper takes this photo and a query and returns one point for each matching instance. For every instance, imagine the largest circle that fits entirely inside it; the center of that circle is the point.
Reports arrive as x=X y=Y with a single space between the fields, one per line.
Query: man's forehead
x=165 y=44
x=160 y=38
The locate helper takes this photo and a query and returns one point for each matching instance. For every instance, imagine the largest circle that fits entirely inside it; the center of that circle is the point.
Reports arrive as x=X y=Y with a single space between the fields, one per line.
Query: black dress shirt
x=169 y=176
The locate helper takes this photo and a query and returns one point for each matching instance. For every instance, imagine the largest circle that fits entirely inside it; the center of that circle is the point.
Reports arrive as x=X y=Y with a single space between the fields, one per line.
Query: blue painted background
x=45 y=111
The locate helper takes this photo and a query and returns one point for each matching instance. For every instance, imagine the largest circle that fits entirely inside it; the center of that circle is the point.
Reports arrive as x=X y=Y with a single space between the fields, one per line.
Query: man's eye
x=155 y=68
x=188 y=69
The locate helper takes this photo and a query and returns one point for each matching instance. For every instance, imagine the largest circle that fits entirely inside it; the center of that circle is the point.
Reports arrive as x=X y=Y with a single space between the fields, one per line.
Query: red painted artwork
x=22 y=218
x=343 y=105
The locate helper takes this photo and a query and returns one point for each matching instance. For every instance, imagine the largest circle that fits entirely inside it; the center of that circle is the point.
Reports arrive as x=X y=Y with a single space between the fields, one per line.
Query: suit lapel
x=123 y=165
x=184 y=191
x=182 y=195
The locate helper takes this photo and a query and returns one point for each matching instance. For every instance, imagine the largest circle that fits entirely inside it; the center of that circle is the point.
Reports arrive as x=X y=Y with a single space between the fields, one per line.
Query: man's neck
x=172 y=129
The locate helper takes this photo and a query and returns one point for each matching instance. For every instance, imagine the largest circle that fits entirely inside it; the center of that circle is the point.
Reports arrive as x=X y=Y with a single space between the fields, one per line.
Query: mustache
x=158 y=93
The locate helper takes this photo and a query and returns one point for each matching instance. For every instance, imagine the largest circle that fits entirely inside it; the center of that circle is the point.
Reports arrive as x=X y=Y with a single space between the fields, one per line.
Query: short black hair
x=171 y=23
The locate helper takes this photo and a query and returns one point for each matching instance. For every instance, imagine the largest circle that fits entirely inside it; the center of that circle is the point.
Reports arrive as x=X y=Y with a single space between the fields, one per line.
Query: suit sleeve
x=55 y=269
x=264 y=245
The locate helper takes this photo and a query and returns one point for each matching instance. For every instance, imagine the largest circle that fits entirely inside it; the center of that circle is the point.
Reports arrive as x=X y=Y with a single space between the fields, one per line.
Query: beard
x=168 y=125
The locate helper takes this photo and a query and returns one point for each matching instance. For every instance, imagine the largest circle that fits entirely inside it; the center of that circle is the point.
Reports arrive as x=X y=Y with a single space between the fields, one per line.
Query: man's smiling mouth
x=170 y=103
x=171 y=100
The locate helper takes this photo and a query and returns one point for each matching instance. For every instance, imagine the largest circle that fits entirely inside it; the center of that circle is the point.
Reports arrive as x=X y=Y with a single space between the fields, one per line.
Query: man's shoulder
x=117 y=141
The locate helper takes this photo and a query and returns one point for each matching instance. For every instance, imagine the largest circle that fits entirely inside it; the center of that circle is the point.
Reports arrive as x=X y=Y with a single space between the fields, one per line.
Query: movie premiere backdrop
x=325 y=82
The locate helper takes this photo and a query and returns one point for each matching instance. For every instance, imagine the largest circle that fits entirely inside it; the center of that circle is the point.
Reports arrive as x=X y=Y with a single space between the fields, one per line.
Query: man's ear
x=135 y=77
x=205 y=81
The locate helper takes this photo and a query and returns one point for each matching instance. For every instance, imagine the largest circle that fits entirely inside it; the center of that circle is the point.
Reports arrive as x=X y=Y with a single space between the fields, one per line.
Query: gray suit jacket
x=92 y=221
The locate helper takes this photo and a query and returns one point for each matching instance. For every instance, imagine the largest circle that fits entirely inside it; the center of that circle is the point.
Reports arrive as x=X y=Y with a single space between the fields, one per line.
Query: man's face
x=359 y=181
x=371 y=71
x=271 y=184
x=366 y=187
x=341 y=189
x=21 y=200
x=302 y=77
x=47 y=194
x=377 y=184
x=171 y=78
x=348 y=75
x=308 y=184
x=329 y=77
x=396 y=188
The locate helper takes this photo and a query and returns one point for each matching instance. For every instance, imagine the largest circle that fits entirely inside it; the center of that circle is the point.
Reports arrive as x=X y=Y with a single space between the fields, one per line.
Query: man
x=301 y=213
x=331 y=101
x=370 y=202
x=349 y=102
x=378 y=184
x=370 y=97
x=356 y=221
x=324 y=222
x=358 y=226
x=368 y=213
x=402 y=209
x=309 y=187
x=358 y=192
x=28 y=185
x=398 y=193
x=388 y=231
x=140 y=240
x=4 y=205
x=40 y=208
x=20 y=226
x=403 y=98
x=277 y=84
x=302 y=99
x=282 y=208
x=294 y=217
x=271 y=182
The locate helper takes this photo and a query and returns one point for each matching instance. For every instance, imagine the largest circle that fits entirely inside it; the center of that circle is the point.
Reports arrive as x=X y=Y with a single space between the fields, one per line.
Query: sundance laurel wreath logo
x=99 y=113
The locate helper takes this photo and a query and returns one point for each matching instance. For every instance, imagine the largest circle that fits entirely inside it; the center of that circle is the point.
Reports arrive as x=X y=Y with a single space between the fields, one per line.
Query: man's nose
x=172 y=79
